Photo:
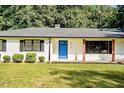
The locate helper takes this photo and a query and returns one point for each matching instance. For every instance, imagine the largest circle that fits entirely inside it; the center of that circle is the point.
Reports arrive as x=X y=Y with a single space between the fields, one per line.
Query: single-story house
x=65 y=44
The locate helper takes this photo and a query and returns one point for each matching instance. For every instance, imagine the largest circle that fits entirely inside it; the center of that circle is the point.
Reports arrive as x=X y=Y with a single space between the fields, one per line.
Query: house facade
x=65 y=44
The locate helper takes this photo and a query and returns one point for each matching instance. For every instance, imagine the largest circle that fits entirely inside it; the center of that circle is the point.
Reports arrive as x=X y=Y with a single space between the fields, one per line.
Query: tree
x=120 y=16
x=46 y=14
x=16 y=17
x=93 y=16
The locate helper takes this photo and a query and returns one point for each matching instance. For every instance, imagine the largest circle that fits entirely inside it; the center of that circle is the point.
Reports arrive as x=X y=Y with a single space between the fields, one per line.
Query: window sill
x=31 y=51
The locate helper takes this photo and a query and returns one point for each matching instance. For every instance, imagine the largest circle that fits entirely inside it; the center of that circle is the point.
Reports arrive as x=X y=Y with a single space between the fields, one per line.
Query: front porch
x=78 y=50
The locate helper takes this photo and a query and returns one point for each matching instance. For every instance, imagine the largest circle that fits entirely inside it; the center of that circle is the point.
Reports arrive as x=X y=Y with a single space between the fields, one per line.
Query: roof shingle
x=64 y=32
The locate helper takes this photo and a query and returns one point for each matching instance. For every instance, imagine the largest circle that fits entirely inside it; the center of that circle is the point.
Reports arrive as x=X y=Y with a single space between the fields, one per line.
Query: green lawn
x=61 y=75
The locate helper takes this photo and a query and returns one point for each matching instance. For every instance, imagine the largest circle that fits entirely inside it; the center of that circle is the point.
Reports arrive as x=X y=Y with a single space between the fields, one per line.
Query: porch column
x=113 y=51
x=84 y=50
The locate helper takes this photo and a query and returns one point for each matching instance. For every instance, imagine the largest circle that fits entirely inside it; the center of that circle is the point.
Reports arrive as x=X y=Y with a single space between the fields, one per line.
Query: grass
x=61 y=75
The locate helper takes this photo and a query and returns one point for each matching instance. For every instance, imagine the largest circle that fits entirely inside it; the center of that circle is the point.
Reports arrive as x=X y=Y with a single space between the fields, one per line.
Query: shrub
x=47 y=62
x=6 y=58
x=41 y=58
x=18 y=58
x=30 y=57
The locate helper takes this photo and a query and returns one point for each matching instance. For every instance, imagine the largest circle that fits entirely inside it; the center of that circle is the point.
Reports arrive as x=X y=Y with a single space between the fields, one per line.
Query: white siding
x=98 y=57
x=119 y=49
x=75 y=52
x=13 y=47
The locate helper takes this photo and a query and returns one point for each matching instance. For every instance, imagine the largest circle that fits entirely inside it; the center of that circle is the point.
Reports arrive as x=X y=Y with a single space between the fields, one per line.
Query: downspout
x=49 y=53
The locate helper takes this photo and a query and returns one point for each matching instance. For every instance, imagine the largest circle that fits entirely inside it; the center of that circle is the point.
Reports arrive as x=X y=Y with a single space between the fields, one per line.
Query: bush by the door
x=30 y=57
x=18 y=58
x=41 y=58
x=6 y=58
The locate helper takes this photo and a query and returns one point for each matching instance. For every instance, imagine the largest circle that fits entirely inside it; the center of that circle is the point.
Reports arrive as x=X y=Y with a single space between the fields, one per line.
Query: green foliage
x=6 y=58
x=18 y=58
x=30 y=57
x=120 y=16
x=46 y=62
x=41 y=58
x=95 y=16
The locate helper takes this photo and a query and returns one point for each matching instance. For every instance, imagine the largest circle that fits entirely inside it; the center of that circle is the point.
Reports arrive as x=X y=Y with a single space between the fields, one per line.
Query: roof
x=64 y=32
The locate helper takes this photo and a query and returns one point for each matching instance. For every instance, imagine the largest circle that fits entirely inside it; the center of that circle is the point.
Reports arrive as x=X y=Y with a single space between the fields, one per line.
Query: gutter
x=59 y=37
x=49 y=53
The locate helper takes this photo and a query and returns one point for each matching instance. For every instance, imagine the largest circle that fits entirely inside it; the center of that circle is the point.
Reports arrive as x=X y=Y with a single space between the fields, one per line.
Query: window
x=2 y=45
x=36 y=45
x=28 y=45
x=99 y=47
x=31 y=45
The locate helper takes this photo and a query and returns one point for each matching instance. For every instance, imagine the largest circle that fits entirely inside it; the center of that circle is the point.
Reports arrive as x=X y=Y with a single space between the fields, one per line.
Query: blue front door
x=63 y=45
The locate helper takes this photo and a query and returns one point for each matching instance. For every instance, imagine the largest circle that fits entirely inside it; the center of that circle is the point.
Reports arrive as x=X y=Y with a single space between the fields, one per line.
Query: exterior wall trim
x=84 y=50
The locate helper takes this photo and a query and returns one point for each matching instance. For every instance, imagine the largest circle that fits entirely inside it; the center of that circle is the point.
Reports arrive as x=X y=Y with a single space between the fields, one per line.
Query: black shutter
x=42 y=45
x=4 y=45
x=21 y=45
